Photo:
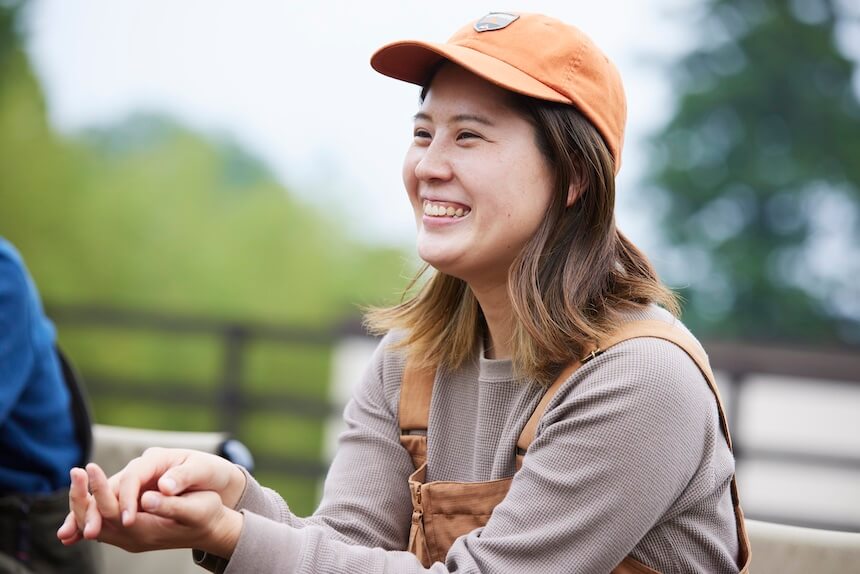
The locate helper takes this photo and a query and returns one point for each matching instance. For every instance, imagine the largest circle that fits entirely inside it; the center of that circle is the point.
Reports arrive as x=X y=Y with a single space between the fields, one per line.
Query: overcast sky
x=291 y=82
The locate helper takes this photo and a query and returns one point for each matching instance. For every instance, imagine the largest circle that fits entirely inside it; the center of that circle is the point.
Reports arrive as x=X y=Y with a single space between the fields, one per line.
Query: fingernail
x=151 y=502
x=169 y=484
x=125 y=517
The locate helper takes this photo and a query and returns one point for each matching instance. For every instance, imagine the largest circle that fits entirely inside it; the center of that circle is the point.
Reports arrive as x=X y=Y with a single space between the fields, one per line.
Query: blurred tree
x=760 y=166
x=149 y=215
x=9 y=33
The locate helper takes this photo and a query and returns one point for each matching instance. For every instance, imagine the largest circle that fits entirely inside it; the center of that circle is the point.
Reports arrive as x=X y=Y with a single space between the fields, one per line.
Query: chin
x=442 y=262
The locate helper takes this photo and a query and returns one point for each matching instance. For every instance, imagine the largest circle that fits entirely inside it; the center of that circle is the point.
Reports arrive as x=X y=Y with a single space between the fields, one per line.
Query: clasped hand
x=166 y=498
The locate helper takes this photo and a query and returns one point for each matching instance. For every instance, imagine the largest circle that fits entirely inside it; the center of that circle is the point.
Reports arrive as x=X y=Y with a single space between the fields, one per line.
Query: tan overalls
x=445 y=510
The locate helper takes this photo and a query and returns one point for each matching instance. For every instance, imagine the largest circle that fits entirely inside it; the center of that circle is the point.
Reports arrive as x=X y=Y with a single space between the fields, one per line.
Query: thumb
x=193 y=508
x=195 y=473
x=183 y=478
x=169 y=485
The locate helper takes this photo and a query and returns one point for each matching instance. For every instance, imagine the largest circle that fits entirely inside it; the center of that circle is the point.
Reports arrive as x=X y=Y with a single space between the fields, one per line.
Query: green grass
x=144 y=356
x=300 y=493
x=151 y=359
x=295 y=369
x=153 y=415
x=273 y=434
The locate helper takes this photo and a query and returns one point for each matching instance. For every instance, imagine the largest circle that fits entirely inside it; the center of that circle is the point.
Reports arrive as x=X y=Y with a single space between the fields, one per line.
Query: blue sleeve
x=16 y=352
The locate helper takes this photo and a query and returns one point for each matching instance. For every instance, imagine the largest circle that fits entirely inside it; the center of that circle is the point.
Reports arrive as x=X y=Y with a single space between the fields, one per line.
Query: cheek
x=529 y=207
x=410 y=182
x=542 y=179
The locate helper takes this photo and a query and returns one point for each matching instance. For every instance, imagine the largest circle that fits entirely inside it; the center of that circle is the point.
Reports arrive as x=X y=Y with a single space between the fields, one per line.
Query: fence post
x=230 y=396
x=732 y=382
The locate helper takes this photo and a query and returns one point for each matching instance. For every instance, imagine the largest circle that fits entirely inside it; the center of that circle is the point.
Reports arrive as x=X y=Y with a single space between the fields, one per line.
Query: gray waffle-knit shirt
x=629 y=458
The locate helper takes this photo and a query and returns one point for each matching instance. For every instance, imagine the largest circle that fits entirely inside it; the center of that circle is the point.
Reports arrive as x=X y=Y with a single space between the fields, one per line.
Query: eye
x=467 y=136
x=421 y=133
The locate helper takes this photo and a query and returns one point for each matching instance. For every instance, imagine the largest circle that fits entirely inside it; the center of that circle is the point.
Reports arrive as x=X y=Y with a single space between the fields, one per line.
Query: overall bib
x=444 y=510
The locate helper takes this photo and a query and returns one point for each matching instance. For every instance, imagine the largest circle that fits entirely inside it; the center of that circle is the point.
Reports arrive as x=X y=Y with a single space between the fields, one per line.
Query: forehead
x=453 y=86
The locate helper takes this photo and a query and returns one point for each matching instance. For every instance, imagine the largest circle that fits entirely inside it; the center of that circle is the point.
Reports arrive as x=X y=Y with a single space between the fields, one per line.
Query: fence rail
x=231 y=399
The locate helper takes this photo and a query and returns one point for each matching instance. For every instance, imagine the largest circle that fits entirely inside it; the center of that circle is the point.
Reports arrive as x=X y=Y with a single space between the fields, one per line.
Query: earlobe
x=574 y=190
x=577 y=185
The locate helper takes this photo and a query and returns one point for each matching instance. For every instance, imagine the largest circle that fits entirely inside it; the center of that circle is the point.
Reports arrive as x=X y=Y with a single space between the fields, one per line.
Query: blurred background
x=207 y=193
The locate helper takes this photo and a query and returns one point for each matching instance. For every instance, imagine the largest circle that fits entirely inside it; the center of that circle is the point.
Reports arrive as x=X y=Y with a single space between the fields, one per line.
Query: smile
x=437 y=209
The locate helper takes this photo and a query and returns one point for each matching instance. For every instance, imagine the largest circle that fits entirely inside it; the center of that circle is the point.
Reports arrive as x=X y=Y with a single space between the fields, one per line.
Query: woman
x=531 y=408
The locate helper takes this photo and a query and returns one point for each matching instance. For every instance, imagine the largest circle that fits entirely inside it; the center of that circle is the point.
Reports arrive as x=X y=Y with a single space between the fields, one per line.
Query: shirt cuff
x=210 y=562
x=265 y=546
x=263 y=501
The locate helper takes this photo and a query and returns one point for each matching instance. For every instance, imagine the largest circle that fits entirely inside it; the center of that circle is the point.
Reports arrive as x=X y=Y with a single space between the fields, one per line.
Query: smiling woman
x=535 y=406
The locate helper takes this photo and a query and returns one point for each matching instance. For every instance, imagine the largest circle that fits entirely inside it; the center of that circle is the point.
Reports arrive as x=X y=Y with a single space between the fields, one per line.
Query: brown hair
x=570 y=284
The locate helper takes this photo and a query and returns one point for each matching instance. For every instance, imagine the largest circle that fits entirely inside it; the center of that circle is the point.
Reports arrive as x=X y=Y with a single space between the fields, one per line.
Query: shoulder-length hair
x=570 y=285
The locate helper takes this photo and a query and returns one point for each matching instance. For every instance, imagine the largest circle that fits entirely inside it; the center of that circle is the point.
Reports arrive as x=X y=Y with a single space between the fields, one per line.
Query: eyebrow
x=457 y=118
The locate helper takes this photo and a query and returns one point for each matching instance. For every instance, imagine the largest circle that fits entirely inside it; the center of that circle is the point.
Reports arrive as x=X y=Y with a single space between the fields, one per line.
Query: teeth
x=436 y=210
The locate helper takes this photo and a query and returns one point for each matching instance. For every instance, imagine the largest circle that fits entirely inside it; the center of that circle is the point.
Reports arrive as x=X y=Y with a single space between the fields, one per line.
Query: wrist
x=235 y=487
x=225 y=535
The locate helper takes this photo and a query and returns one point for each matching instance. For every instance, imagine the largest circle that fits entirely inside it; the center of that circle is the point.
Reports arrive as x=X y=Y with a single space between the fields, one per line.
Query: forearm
x=269 y=547
x=366 y=497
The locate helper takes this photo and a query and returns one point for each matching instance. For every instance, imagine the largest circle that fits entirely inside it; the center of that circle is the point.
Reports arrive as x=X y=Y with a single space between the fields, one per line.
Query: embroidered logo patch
x=495 y=21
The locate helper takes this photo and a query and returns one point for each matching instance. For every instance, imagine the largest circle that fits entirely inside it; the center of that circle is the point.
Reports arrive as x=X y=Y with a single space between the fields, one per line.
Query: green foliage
x=9 y=34
x=152 y=217
x=760 y=166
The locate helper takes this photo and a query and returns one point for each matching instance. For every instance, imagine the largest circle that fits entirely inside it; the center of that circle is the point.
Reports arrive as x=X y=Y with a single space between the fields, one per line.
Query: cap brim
x=413 y=61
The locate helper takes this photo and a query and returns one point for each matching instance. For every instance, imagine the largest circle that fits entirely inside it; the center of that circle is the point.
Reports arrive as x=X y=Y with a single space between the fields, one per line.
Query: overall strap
x=635 y=329
x=676 y=335
x=681 y=338
x=528 y=433
x=416 y=390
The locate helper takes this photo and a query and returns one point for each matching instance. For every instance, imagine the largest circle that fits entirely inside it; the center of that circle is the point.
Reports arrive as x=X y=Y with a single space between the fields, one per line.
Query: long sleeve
x=37 y=441
x=16 y=351
x=631 y=443
x=365 y=500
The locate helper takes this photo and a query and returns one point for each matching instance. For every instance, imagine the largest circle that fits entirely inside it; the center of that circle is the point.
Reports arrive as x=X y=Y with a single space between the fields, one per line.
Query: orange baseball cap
x=529 y=54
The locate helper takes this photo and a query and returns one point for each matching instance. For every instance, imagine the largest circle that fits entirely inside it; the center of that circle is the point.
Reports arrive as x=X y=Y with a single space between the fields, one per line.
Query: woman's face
x=477 y=181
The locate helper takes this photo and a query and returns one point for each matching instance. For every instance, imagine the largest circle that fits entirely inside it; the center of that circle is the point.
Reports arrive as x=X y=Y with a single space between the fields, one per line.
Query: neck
x=496 y=307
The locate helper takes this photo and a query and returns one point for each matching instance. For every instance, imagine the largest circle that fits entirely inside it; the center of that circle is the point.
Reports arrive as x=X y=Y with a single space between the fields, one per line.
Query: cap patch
x=495 y=21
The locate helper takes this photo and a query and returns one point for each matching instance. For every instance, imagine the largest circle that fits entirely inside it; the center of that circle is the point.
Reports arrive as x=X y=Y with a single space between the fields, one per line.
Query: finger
x=191 y=509
x=106 y=499
x=93 y=524
x=79 y=496
x=113 y=483
x=69 y=541
x=196 y=472
x=68 y=532
x=143 y=470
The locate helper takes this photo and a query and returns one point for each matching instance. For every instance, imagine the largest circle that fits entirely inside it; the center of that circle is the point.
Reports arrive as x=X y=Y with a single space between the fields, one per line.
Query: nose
x=433 y=163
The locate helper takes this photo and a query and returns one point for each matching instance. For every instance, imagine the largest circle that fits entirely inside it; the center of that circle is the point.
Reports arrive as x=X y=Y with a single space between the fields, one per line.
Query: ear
x=575 y=189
